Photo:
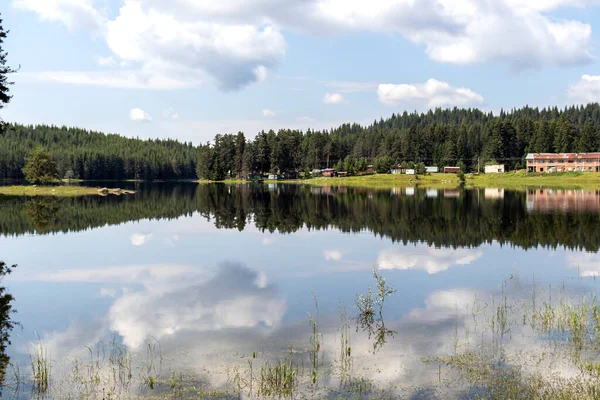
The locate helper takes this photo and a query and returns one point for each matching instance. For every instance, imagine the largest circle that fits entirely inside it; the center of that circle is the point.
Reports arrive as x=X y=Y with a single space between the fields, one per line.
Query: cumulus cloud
x=425 y=258
x=138 y=239
x=587 y=90
x=233 y=54
x=236 y=42
x=137 y=114
x=333 y=98
x=235 y=297
x=333 y=255
x=432 y=93
x=443 y=305
x=74 y=14
x=268 y=113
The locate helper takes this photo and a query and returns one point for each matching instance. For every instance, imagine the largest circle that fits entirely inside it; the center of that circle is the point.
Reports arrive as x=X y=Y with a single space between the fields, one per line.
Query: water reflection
x=555 y=200
x=6 y=325
x=447 y=217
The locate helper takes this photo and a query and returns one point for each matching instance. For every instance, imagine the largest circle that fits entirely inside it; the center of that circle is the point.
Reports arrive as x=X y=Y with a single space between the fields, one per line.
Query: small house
x=398 y=170
x=329 y=173
x=273 y=177
x=451 y=170
x=316 y=172
x=410 y=172
x=494 y=169
x=342 y=173
x=432 y=170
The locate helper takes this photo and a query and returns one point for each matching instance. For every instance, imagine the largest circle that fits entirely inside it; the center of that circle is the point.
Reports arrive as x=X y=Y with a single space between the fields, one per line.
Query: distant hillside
x=464 y=137
x=94 y=155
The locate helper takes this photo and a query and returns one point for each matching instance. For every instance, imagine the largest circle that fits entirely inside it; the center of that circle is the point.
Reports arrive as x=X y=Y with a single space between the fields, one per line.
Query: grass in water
x=40 y=367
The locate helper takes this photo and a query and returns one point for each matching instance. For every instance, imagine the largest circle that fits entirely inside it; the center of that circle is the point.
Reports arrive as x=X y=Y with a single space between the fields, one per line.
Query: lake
x=216 y=291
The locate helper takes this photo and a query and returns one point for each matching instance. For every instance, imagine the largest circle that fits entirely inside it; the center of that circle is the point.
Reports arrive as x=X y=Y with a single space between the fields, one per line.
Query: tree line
x=468 y=138
x=89 y=155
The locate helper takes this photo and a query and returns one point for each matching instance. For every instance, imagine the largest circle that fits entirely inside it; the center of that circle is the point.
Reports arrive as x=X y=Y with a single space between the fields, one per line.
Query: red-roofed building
x=563 y=162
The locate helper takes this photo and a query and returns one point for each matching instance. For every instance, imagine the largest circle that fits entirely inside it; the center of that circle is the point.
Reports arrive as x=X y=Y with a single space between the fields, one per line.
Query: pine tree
x=5 y=70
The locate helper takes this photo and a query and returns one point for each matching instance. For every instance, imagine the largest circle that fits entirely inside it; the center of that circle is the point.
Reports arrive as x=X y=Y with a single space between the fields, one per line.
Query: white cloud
x=106 y=61
x=432 y=93
x=443 y=305
x=118 y=274
x=137 y=114
x=74 y=14
x=425 y=258
x=587 y=264
x=233 y=54
x=306 y=119
x=108 y=292
x=268 y=113
x=333 y=98
x=138 y=239
x=352 y=87
x=170 y=113
x=236 y=42
x=587 y=90
x=333 y=255
x=130 y=79
x=235 y=297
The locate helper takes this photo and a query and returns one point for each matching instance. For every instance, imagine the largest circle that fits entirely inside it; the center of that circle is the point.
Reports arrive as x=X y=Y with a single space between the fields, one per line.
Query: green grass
x=382 y=181
x=522 y=179
x=510 y=180
x=57 y=191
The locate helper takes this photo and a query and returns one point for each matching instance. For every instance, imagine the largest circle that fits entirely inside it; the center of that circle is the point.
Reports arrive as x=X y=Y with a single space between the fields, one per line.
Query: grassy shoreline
x=510 y=180
x=57 y=191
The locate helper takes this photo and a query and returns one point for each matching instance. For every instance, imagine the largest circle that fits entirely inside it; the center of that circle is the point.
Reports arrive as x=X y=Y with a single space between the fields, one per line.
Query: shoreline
x=60 y=191
x=509 y=180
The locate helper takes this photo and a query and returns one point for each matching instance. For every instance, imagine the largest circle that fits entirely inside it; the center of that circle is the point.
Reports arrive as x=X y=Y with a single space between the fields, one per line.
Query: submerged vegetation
x=526 y=341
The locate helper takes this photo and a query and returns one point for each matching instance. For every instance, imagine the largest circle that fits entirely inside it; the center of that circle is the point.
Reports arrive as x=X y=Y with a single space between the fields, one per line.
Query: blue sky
x=190 y=69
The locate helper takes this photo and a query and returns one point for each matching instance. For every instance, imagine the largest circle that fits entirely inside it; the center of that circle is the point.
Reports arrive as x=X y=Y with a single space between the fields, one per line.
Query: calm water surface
x=217 y=278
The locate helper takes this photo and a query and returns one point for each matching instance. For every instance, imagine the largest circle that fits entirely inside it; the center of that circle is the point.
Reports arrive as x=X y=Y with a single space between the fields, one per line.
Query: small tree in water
x=40 y=167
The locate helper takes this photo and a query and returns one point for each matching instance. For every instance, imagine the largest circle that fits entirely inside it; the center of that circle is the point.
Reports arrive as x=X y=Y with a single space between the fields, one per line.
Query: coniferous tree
x=5 y=70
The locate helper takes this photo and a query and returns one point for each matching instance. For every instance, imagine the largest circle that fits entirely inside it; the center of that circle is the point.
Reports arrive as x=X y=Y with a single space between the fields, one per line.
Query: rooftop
x=561 y=156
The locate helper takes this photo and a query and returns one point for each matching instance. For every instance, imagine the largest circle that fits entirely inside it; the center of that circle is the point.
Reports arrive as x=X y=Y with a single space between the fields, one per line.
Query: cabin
x=494 y=169
x=342 y=173
x=316 y=172
x=432 y=170
x=398 y=170
x=451 y=170
x=329 y=172
x=273 y=177
x=563 y=162
x=410 y=172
